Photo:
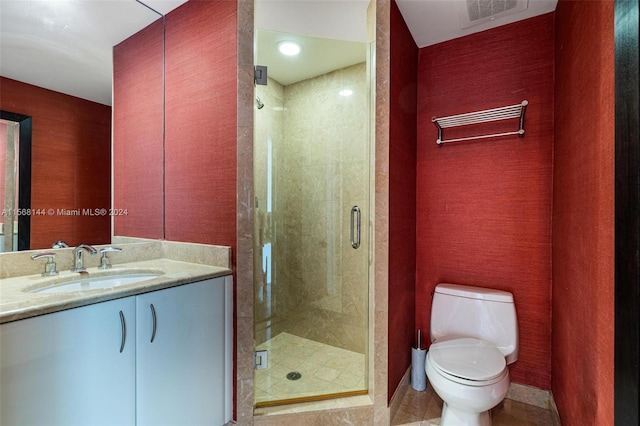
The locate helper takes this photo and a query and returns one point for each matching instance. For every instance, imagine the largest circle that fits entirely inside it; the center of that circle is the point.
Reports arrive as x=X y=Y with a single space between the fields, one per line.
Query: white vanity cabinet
x=67 y=368
x=180 y=373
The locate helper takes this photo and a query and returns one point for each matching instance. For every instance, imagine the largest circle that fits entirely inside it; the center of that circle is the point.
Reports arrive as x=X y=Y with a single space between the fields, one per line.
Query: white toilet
x=474 y=335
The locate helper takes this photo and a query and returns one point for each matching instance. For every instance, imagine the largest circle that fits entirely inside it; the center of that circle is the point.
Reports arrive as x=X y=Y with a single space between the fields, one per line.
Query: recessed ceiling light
x=345 y=92
x=289 y=48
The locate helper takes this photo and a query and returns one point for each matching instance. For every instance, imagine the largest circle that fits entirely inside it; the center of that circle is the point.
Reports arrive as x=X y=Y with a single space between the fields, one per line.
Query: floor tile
x=427 y=406
x=325 y=369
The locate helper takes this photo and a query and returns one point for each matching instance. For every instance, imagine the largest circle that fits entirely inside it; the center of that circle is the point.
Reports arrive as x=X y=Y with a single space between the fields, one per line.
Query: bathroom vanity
x=158 y=351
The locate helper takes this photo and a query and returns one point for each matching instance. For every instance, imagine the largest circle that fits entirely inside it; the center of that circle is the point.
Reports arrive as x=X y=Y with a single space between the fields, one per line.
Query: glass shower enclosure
x=311 y=238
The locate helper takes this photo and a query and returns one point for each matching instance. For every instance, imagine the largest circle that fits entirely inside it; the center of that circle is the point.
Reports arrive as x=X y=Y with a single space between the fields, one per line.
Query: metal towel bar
x=485 y=116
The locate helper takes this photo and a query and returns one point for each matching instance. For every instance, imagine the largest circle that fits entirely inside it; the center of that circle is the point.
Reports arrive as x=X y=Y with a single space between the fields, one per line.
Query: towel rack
x=485 y=116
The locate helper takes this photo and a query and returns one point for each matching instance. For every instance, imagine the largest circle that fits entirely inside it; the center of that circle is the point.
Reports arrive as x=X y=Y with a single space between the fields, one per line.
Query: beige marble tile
x=529 y=395
x=203 y=254
x=135 y=252
x=380 y=213
x=399 y=393
x=426 y=407
x=355 y=408
x=17 y=264
x=515 y=413
x=245 y=225
x=121 y=239
x=324 y=369
x=17 y=301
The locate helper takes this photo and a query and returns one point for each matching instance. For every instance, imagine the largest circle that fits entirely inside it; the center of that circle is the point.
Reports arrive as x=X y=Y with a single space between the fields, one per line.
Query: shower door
x=311 y=240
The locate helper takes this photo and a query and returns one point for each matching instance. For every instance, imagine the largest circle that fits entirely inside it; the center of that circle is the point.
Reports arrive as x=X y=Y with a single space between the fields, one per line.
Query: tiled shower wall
x=320 y=164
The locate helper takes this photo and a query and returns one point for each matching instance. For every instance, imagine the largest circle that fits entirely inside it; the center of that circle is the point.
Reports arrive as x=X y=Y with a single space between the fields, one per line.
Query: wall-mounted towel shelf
x=495 y=114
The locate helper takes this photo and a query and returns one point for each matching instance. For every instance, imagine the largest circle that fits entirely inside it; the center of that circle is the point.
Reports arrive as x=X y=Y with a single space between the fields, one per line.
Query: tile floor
x=325 y=369
x=424 y=408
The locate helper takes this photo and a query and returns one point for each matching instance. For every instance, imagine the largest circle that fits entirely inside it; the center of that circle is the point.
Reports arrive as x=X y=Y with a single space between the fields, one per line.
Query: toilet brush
x=418 y=374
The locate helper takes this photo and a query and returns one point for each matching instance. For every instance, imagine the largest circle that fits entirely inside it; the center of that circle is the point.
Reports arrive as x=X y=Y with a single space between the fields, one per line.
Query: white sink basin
x=94 y=283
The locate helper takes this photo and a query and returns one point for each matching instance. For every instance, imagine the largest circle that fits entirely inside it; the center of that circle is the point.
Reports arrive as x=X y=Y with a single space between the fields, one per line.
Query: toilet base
x=452 y=417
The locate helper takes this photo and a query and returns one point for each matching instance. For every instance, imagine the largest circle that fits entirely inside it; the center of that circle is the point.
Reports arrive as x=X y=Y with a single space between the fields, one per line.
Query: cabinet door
x=66 y=368
x=180 y=367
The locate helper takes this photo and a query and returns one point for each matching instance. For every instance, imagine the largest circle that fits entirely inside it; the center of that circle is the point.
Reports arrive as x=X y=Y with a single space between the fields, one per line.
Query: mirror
x=56 y=66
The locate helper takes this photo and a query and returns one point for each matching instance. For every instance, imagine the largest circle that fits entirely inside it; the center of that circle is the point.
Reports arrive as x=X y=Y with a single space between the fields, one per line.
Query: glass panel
x=311 y=168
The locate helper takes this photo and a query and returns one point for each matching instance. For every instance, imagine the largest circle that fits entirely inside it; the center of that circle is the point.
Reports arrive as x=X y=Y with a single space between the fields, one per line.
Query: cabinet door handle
x=123 y=323
x=155 y=322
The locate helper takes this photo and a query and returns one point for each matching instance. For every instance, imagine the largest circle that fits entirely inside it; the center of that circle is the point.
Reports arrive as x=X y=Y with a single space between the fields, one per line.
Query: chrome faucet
x=50 y=266
x=78 y=261
x=104 y=262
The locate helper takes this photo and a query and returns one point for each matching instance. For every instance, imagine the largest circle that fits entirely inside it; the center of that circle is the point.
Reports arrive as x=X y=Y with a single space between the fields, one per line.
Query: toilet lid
x=468 y=358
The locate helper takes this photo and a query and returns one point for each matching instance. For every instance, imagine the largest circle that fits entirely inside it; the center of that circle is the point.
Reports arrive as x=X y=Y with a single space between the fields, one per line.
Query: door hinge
x=260 y=75
x=260 y=360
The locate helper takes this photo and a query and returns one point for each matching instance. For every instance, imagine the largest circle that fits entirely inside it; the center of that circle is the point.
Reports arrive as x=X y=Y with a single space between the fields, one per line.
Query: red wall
x=484 y=207
x=199 y=130
x=138 y=134
x=583 y=214
x=201 y=123
x=402 y=198
x=71 y=162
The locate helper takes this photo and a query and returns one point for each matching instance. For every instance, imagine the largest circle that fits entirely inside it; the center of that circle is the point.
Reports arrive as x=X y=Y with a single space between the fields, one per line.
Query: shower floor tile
x=325 y=369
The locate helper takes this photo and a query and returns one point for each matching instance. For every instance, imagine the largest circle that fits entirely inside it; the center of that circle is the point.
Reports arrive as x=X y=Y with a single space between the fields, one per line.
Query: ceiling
x=317 y=56
x=332 y=35
x=434 y=21
x=66 y=45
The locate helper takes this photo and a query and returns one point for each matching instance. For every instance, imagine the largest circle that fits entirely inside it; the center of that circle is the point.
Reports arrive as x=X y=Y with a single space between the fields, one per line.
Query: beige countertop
x=17 y=301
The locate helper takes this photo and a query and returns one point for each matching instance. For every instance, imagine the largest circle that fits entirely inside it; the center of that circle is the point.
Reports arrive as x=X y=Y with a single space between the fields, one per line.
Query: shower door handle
x=355 y=227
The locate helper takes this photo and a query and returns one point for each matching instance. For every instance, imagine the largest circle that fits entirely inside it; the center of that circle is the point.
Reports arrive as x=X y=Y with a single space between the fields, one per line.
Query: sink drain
x=294 y=375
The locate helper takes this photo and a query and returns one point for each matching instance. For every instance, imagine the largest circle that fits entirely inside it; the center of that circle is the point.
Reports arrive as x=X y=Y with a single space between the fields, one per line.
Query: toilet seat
x=468 y=361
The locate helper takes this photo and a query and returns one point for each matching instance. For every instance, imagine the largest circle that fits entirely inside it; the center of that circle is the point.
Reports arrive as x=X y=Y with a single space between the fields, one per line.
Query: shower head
x=259 y=102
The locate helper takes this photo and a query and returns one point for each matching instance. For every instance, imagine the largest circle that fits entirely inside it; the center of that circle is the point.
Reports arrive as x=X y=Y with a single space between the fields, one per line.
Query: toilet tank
x=482 y=313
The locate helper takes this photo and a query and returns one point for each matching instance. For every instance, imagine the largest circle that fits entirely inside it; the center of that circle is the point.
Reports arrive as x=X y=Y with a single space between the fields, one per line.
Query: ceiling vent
x=475 y=12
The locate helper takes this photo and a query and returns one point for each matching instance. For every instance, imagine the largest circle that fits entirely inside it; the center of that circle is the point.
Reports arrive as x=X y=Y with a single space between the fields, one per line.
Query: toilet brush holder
x=418 y=373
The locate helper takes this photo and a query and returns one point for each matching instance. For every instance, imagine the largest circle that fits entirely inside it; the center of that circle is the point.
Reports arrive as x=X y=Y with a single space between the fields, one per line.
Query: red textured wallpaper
x=583 y=214
x=484 y=207
x=201 y=123
x=402 y=198
x=138 y=133
x=71 y=162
